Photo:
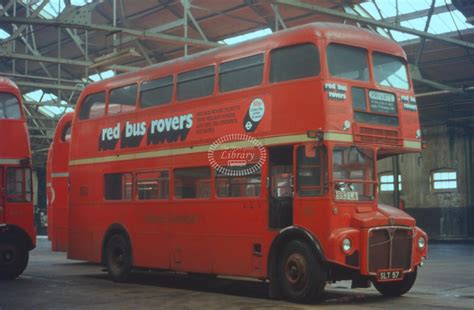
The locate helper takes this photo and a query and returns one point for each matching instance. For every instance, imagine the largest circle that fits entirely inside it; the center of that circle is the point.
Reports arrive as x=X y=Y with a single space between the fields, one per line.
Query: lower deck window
x=152 y=185
x=192 y=183
x=18 y=185
x=238 y=186
x=118 y=186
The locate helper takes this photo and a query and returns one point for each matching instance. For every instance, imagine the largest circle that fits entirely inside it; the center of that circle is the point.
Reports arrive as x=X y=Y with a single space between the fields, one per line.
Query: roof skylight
x=247 y=36
x=441 y=23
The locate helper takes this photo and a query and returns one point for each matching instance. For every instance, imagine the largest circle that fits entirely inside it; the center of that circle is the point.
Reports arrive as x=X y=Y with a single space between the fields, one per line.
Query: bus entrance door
x=281 y=187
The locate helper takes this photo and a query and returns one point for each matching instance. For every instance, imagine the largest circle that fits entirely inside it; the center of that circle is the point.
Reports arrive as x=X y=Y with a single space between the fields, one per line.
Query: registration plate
x=389 y=275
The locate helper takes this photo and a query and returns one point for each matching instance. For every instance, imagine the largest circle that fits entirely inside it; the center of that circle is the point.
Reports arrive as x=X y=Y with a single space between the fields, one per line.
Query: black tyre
x=13 y=258
x=396 y=288
x=118 y=257
x=301 y=276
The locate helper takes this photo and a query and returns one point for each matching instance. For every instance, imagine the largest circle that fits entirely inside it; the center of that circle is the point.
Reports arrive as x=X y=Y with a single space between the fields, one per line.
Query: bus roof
x=8 y=85
x=346 y=34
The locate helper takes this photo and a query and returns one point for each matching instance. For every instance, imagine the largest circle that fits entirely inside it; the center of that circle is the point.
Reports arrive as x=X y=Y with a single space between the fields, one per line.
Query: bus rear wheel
x=118 y=258
x=396 y=288
x=301 y=276
x=13 y=259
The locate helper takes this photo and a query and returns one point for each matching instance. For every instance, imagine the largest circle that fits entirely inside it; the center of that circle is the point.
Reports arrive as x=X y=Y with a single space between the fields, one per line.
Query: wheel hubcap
x=295 y=269
x=118 y=257
x=7 y=255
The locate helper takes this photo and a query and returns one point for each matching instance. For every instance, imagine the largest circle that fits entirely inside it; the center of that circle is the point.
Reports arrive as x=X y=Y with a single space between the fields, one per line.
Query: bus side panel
x=239 y=226
x=60 y=214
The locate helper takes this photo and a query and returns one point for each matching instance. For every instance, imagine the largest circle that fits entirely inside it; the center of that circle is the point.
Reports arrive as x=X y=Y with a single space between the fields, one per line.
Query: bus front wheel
x=118 y=259
x=302 y=277
x=396 y=288
x=13 y=258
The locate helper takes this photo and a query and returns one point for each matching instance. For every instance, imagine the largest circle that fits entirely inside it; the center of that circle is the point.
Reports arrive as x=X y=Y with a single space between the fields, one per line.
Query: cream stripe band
x=328 y=136
x=60 y=175
x=9 y=161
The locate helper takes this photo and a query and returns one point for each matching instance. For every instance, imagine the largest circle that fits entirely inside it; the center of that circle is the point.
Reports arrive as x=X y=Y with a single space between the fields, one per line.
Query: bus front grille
x=381 y=136
x=389 y=248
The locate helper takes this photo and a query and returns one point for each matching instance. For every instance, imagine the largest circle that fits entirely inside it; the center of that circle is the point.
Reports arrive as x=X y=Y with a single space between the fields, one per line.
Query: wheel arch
x=286 y=235
x=15 y=231
x=112 y=229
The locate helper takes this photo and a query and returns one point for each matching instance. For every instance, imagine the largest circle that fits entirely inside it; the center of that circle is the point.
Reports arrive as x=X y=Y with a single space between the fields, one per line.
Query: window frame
x=443 y=190
x=173 y=91
x=216 y=176
x=405 y=64
x=131 y=189
x=64 y=132
x=135 y=185
x=368 y=62
x=226 y=61
x=24 y=184
x=269 y=62
x=106 y=99
x=177 y=82
x=19 y=107
x=109 y=95
x=173 y=180
x=390 y=173
x=324 y=183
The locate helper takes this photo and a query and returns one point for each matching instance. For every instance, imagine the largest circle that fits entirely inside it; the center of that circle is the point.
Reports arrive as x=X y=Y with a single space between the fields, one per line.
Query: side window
x=122 y=99
x=152 y=185
x=118 y=186
x=238 y=186
x=156 y=92
x=311 y=171
x=196 y=83
x=9 y=106
x=66 y=133
x=241 y=73
x=387 y=182
x=294 y=62
x=347 y=62
x=18 y=185
x=444 y=180
x=93 y=106
x=192 y=183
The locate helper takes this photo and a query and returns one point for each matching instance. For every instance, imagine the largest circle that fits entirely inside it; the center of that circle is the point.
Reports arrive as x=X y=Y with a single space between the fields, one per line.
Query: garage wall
x=446 y=214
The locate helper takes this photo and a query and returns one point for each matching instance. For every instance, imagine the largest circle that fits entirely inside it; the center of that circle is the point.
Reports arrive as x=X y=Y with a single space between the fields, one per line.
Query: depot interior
x=52 y=49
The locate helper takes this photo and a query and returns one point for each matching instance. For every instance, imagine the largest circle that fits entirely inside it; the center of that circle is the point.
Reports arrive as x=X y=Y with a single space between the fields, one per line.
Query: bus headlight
x=346 y=125
x=418 y=134
x=421 y=243
x=346 y=245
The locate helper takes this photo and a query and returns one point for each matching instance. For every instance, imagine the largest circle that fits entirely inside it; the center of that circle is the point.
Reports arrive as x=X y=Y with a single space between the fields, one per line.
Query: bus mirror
x=315 y=134
x=310 y=150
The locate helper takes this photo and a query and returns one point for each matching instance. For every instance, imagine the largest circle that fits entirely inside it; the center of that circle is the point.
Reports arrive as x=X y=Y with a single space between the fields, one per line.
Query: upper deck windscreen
x=9 y=106
x=390 y=71
x=348 y=62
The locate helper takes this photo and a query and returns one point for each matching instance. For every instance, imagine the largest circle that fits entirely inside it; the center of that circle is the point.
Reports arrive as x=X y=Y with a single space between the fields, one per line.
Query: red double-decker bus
x=57 y=178
x=17 y=232
x=255 y=160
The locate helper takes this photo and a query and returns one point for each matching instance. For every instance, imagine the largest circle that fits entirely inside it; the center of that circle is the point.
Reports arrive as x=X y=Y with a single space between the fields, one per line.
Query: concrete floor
x=52 y=282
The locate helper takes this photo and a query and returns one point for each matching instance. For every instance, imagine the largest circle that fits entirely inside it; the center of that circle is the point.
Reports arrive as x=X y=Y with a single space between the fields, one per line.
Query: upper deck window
x=66 y=133
x=122 y=99
x=241 y=73
x=196 y=83
x=347 y=62
x=294 y=62
x=156 y=92
x=93 y=106
x=390 y=71
x=9 y=106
